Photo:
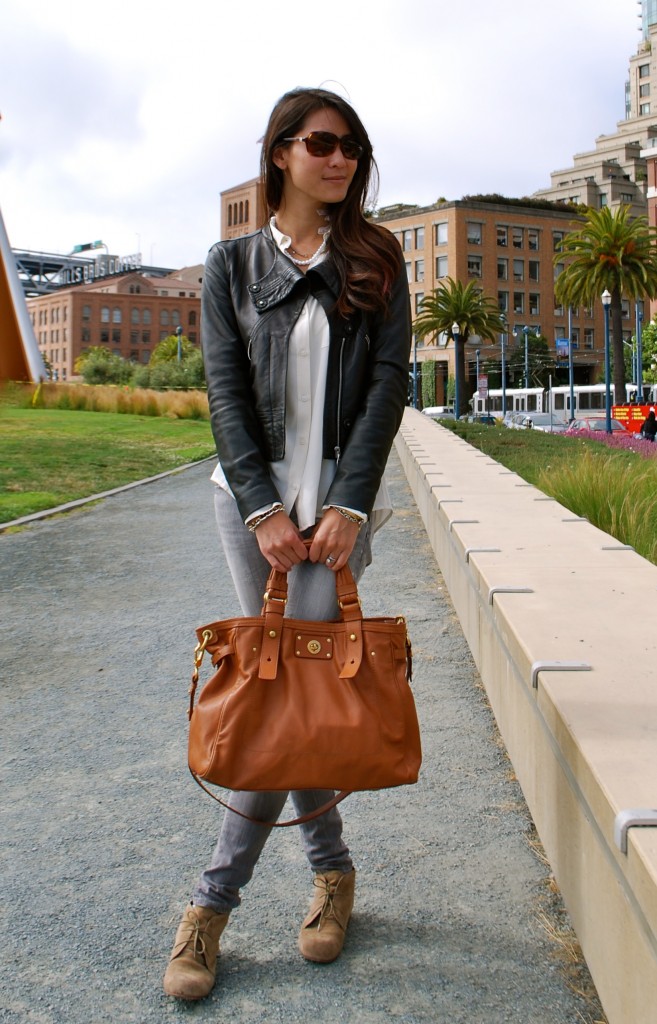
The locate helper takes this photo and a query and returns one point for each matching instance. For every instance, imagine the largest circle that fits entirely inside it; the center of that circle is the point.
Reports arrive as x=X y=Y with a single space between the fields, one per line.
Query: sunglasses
x=326 y=143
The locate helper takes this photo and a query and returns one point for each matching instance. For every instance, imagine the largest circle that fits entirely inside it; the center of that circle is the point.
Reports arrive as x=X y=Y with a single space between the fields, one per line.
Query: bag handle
x=277 y=824
x=273 y=612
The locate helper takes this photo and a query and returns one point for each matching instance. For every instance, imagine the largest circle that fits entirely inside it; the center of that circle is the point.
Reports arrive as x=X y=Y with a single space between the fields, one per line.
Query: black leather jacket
x=251 y=299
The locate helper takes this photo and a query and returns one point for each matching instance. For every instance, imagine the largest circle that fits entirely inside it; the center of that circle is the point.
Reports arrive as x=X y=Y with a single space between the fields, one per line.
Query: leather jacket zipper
x=337 y=449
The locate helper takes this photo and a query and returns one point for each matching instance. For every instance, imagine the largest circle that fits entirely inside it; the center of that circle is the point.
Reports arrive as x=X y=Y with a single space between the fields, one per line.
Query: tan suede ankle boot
x=193 y=963
x=323 y=931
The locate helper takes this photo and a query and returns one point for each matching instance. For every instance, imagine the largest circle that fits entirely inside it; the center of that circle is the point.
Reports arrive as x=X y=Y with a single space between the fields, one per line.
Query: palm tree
x=611 y=251
x=452 y=303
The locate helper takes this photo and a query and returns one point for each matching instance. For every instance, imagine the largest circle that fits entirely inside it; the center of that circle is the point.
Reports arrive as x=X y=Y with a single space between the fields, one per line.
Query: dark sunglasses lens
x=321 y=143
x=351 y=148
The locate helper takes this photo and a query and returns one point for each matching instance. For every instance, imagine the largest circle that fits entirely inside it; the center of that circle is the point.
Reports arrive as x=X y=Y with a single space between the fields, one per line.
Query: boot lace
x=196 y=939
x=327 y=892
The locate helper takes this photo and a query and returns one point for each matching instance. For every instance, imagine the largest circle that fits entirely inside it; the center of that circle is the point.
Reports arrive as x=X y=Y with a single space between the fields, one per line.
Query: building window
x=518 y=237
x=135 y=289
x=644 y=108
x=192 y=337
x=134 y=337
x=408 y=240
x=518 y=302
x=625 y=309
x=533 y=239
x=557 y=239
x=503 y=302
x=574 y=338
x=532 y=268
x=146 y=318
x=175 y=317
x=626 y=197
x=518 y=270
x=441 y=233
x=86 y=313
x=408 y=272
x=104 y=335
x=164 y=318
x=419 y=299
x=503 y=236
x=502 y=270
x=116 y=315
x=134 y=316
x=145 y=337
x=644 y=90
x=116 y=336
x=603 y=199
x=419 y=270
x=104 y=315
x=474 y=234
x=534 y=304
x=246 y=210
x=589 y=337
x=644 y=70
x=441 y=266
x=86 y=335
x=419 y=238
x=474 y=266
x=192 y=318
x=558 y=269
x=230 y=215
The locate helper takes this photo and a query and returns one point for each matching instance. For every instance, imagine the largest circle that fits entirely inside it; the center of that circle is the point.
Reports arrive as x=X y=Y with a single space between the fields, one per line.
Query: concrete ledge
x=559 y=617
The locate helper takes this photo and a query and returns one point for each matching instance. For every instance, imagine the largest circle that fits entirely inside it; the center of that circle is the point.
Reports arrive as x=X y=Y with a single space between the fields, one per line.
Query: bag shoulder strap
x=301 y=820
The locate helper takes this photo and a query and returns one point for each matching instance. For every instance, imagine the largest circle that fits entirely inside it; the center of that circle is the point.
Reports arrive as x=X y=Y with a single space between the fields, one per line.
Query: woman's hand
x=280 y=543
x=333 y=539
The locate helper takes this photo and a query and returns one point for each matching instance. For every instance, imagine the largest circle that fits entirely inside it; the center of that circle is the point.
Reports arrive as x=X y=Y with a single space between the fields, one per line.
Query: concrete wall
x=535 y=586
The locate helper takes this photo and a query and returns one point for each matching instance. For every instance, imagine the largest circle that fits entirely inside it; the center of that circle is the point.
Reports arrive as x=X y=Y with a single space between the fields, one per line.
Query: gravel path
x=103 y=831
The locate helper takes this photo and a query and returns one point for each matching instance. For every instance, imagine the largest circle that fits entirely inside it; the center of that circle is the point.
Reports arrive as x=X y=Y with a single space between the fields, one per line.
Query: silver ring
x=330 y=560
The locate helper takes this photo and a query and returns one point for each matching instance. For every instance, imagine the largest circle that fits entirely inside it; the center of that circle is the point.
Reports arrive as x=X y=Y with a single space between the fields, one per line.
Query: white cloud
x=128 y=127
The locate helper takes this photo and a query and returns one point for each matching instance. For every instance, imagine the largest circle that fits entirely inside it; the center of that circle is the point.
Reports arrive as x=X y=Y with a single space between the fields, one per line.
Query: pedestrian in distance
x=306 y=334
x=649 y=426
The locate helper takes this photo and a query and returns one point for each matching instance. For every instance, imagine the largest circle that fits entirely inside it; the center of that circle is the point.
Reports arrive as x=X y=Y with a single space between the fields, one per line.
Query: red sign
x=631 y=416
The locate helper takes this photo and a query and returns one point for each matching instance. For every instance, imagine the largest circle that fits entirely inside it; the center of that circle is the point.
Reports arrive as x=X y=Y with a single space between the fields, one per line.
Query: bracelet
x=353 y=517
x=255 y=523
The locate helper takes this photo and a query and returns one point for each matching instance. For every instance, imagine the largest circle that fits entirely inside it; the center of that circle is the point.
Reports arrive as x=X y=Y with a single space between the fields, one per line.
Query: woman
x=306 y=342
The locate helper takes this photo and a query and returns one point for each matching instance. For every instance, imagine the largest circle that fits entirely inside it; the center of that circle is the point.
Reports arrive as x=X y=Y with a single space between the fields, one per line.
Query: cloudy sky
x=125 y=121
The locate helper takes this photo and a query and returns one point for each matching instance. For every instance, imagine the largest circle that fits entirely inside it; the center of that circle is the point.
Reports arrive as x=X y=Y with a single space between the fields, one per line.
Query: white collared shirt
x=302 y=477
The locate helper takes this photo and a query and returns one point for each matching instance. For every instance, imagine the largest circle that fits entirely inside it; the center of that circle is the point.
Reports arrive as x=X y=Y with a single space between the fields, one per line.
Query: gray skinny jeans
x=311 y=595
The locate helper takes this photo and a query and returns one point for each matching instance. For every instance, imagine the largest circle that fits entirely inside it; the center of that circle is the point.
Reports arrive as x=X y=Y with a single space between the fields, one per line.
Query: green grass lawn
x=51 y=456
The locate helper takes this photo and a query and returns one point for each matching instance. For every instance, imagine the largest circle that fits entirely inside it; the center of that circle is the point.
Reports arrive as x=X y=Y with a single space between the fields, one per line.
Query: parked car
x=482 y=418
x=543 y=421
x=440 y=412
x=594 y=423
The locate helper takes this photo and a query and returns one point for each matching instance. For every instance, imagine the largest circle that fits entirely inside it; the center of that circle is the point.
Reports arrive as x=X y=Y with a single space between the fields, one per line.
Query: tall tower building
x=615 y=173
x=641 y=85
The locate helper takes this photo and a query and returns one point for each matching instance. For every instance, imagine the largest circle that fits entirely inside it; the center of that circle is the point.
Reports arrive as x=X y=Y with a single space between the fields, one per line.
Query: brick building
x=509 y=249
x=129 y=315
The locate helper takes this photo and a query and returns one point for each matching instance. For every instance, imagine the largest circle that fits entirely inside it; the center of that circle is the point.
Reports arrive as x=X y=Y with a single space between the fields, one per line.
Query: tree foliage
x=466 y=305
x=612 y=252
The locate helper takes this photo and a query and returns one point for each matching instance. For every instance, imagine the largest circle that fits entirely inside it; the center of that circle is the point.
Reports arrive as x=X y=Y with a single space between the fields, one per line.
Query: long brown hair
x=366 y=255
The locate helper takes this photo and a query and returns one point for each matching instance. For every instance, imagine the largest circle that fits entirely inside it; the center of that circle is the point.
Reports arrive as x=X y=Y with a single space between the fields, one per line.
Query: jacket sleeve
x=235 y=426
x=364 y=457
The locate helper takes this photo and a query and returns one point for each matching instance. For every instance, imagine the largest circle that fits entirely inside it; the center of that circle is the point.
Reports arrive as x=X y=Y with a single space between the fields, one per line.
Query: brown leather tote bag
x=297 y=705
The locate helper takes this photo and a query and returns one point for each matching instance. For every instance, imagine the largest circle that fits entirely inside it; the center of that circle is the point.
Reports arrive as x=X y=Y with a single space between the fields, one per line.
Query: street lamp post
x=477 y=353
x=503 y=347
x=639 y=355
x=179 y=335
x=456 y=333
x=606 y=302
x=571 y=371
x=525 y=331
x=415 y=371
